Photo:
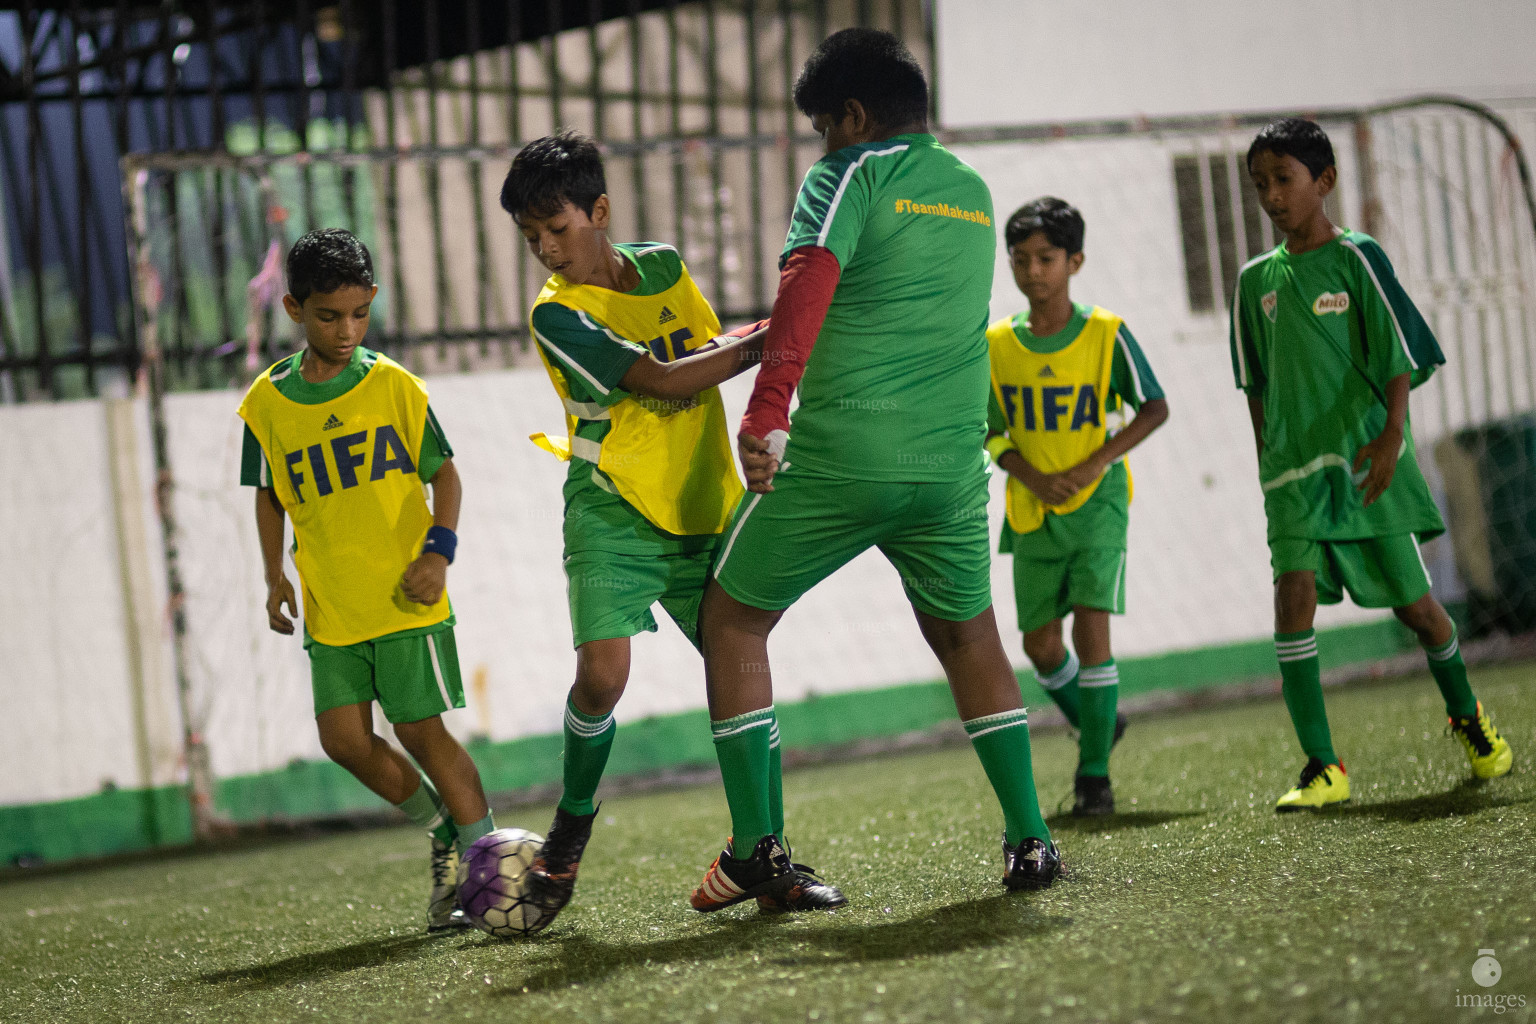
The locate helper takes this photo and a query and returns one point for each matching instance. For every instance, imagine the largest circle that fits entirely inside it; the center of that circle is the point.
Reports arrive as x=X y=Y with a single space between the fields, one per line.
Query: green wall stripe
x=123 y=821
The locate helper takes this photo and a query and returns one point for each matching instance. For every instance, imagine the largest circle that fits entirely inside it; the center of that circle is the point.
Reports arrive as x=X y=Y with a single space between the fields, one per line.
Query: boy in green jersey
x=1327 y=346
x=879 y=321
x=354 y=442
x=634 y=352
x=1059 y=372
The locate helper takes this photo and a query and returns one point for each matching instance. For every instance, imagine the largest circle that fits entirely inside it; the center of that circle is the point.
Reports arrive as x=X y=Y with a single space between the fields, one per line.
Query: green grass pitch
x=1197 y=901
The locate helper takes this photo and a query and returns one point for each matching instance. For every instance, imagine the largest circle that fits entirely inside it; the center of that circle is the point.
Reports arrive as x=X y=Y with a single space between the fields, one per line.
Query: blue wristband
x=440 y=541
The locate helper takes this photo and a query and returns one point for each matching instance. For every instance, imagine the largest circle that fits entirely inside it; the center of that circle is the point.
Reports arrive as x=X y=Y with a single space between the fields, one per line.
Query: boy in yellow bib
x=342 y=440
x=1058 y=373
x=631 y=348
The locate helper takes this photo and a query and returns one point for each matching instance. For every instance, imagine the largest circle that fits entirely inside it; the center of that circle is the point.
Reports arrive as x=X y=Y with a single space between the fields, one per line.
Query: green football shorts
x=1380 y=572
x=782 y=543
x=412 y=676
x=611 y=594
x=1076 y=559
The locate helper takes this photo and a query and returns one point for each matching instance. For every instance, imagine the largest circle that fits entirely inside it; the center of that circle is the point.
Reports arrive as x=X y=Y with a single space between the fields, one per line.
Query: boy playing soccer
x=342 y=439
x=879 y=320
x=630 y=345
x=1058 y=371
x=1327 y=345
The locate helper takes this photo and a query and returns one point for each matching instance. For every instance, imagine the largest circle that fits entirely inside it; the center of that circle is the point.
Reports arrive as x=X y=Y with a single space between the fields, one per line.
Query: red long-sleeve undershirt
x=806 y=284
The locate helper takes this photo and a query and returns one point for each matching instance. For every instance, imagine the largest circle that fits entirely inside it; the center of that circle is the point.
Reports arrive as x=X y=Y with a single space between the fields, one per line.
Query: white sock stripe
x=437 y=819
x=1305 y=645
x=1062 y=676
x=1099 y=677
x=1305 y=656
x=773 y=735
x=587 y=729
x=720 y=734
x=1445 y=653
x=1002 y=719
x=1297 y=643
x=1004 y=725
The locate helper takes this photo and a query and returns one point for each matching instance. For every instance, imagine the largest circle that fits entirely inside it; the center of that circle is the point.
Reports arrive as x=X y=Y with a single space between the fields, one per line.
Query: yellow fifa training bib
x=670 y=460
x=1055 y=407
x=345 y=472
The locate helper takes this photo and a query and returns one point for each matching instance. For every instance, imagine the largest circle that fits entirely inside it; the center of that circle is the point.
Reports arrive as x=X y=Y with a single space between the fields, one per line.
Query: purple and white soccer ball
x=493 y=884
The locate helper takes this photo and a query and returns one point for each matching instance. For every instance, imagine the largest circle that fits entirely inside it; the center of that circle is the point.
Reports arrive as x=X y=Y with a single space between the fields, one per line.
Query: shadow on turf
x=973 y=924
x=1065 y=822
x=310 y=966
x=1468 y=797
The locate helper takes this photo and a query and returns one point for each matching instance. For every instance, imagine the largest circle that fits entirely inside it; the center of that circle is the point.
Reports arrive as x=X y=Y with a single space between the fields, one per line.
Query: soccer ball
x=493 y=884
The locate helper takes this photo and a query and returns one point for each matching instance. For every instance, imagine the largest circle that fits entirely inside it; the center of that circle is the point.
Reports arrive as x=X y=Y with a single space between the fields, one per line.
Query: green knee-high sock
x=1062 y=687
x=1100 y=694
x=1002 y=743
x=1301 y=683
x=472 y=831
x=588 y=738
x=775 y=782
x=425 y=809
x=1450 y=674
x=742 y=746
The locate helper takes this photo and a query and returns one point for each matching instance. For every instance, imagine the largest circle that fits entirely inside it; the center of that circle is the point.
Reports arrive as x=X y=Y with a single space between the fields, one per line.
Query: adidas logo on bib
x=332 y=423
x=1046 y=371
x=667 y=316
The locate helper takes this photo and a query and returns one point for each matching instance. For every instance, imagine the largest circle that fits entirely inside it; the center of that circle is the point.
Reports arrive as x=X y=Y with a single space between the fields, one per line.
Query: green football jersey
x=896 y=386
x=1318 y=335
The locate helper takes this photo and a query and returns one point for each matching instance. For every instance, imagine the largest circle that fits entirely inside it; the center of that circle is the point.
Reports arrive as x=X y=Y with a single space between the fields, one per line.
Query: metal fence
x=393 y=118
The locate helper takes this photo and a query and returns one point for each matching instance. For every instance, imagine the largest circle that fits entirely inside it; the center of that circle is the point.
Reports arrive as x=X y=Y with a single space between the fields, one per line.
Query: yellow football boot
x=1486 y=749
x=1320 y=785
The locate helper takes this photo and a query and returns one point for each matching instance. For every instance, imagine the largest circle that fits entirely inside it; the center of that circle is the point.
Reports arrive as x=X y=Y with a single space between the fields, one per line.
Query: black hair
x=327 y=259
x=552 y=171
x=867 y=65
x=1058 y=219
x=1297 y=137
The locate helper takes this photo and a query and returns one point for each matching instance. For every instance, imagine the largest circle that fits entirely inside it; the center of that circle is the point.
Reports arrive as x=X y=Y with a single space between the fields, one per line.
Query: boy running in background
x=631 y=348
x=1327 y=345
x=342 y=440
x=1058 y=371
x=880 y=321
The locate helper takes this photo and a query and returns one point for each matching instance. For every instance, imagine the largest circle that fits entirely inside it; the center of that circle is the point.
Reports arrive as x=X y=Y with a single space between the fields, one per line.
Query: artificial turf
x=1196 y=901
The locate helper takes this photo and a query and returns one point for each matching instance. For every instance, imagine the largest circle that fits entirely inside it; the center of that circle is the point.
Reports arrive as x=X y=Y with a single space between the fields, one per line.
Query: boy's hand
x=1083 y=474
x=1382 y=455
x=758 y=462
x=1059 y=488
x=279 y=593
x=1053 y=488
x=425 y=578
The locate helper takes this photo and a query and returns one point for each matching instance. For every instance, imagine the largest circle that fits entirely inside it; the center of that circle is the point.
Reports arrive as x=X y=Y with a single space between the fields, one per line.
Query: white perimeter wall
x=1025 y=61
x=1197 y=576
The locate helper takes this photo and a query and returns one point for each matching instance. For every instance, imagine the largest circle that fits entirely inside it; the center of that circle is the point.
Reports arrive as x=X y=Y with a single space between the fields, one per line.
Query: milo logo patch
x=1331 y=302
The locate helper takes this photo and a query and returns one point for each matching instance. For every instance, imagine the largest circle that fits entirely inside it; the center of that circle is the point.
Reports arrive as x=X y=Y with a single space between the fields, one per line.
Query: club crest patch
x=1269 y=303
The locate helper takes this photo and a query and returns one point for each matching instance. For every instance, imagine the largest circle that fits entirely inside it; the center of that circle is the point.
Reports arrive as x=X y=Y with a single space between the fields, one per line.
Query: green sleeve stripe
x=1381 y=292
x=1130 y=363
x=842 y=186
x=254 y=471
x=554 y=349
x=1236 y=335
x=436 y=430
